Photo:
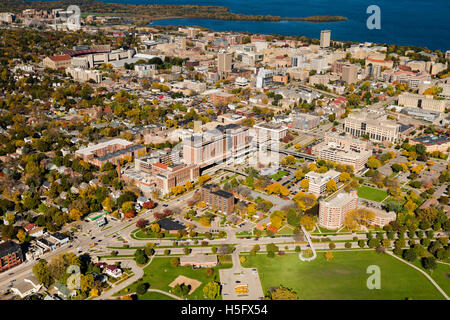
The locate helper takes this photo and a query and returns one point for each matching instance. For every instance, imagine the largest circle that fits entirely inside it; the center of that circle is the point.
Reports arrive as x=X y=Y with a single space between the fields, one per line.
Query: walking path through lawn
x=426 y=275
x=165 y=293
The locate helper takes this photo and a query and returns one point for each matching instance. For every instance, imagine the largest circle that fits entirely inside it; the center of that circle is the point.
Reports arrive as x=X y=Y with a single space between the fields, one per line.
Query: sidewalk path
x=426 y=275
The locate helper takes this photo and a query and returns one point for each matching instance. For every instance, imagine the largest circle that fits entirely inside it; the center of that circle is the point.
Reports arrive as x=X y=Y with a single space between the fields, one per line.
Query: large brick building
x=10 y=255
x=226 y=142
x=217 y=199
x=110 y=151
x=57 y=62
x=172 y=175
x=332 y=212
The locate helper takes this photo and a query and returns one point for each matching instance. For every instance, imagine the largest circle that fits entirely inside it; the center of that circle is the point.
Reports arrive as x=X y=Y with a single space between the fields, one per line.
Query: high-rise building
x=270 y=132
x=376 y=127
x=332 y=212
x=224 y=63
x=226 y=142
x=349 y=73
x=325 y=38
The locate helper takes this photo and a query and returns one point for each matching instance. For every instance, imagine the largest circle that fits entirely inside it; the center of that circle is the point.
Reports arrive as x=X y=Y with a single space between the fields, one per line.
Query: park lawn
x=280 y=174
x=156 y=296
x=441 y=275
x=344 y=277
x=160 y=273
x=286 y=230
x=373 y=194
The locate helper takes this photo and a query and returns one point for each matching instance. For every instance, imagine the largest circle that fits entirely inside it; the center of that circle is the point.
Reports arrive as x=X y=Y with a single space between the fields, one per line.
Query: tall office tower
x=325 y=37
x=224 y=63
x=349 y=73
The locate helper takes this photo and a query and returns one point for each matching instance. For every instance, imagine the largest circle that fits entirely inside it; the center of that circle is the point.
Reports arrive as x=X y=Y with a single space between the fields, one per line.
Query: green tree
x=429 y=263
x=42 y=273
x=211 y=290
x=142 y=288
x=140 y=257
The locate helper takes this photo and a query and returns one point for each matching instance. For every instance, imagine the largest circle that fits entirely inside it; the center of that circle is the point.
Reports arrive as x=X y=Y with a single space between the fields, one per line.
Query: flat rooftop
x=89 y=150
x=432 y=139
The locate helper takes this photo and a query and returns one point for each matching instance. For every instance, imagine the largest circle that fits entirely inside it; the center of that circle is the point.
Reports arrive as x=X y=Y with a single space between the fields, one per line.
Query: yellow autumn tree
x=358 y=217
x=276 y=221
x=21 y=235
x=307 y=221
x=331 y=186
x=344 y=177
x=251 y=210
x=107 y=204
x=204 y=221
x=188 y=185
x=75 y=215
x=202 y=179
x=304 y=184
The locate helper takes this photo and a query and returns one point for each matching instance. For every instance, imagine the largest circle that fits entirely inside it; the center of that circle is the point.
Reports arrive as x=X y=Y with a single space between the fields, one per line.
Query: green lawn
x=441 y=275
x=286 y=230
x=373 y=194
x=157 y=296
x=280 y=174
x=160 y=273
x=344 y=277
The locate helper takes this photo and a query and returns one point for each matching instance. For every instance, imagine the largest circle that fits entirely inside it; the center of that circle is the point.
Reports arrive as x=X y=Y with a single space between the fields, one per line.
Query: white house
x=26 y=287
x=113 y=271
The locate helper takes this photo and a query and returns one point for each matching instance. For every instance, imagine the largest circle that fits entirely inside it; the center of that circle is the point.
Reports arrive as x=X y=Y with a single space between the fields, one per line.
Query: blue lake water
x=403 y=22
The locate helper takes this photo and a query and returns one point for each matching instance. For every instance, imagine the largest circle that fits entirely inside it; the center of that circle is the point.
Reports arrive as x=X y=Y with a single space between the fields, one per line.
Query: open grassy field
x=344 y=277
x=373 y=194
x=441 y=275
x=160 y=273
x=280 y=174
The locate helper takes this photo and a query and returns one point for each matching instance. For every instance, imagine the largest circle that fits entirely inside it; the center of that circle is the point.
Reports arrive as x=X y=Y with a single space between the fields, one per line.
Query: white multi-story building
x=267 y=132
x=264 y=78
x=318 y=181
x=343 y=149
x=376 y=126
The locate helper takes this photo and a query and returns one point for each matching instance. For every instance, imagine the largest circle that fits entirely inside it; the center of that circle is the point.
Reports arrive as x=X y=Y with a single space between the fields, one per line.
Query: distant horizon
x=418 y=23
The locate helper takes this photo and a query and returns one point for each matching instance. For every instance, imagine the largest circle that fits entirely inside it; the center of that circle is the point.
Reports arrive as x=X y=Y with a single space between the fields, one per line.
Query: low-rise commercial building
x=433 y=143
x=199 y=260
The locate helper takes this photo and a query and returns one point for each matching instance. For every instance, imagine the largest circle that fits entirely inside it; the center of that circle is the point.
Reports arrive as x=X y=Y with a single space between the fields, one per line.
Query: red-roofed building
x=57 y=62
x=272 y=228
x=113 y=271
x=382 y=63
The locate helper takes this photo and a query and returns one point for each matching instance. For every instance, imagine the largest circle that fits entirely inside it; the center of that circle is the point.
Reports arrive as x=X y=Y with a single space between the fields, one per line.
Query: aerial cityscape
x=146 y=155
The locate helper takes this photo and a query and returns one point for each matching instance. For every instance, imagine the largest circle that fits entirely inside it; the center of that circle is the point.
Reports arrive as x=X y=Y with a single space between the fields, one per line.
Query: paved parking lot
x=231 y=278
